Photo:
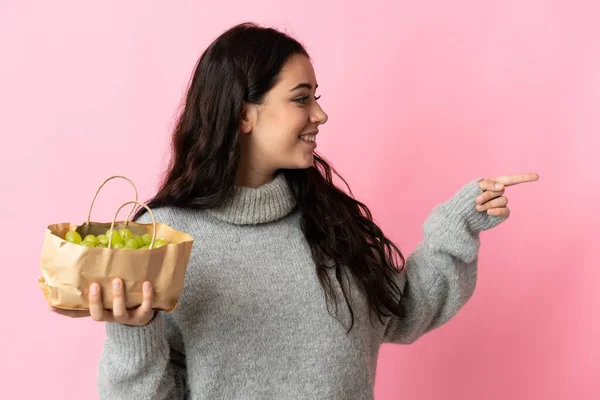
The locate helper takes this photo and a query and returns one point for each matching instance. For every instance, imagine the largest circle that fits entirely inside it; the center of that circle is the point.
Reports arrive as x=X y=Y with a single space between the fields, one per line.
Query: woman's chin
x=305 y=162
x=308 y=161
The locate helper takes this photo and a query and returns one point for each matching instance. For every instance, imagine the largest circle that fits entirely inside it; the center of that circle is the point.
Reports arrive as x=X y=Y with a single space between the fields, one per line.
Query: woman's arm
x=440 y=275
x=143 y=362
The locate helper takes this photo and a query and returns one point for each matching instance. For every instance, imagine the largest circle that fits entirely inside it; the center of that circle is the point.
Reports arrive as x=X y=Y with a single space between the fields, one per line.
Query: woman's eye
x=304 y=99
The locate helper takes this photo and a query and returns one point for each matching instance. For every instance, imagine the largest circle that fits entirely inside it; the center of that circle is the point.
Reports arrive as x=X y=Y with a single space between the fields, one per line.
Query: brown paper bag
x=68 y=269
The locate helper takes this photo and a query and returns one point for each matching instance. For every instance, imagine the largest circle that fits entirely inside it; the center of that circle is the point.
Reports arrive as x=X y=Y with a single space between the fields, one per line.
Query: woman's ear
x=246 y=119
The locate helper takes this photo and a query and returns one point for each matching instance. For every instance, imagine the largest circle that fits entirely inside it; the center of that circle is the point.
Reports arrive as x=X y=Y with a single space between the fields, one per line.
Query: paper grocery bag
x=68 y=269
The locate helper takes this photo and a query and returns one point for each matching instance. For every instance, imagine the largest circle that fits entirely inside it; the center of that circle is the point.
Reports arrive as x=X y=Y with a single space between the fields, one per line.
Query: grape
x=147 y=238
x=116 y=236
x=91 y=239
x=73 y=237
x=131 y=244
x=102 y=239
x=139 y=241
x=125 y=234
x=158 y=243
x=122 y=239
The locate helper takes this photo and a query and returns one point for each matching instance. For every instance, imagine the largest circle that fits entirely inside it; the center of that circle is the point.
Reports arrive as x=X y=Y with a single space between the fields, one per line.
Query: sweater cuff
x=139 y=342
x=463 y=204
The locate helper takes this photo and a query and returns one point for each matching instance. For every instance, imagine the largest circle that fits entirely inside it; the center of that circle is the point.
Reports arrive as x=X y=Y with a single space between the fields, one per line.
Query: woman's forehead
x=297 y=71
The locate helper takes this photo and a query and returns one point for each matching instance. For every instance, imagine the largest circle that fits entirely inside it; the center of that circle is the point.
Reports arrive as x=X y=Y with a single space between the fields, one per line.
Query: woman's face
x=281 y=132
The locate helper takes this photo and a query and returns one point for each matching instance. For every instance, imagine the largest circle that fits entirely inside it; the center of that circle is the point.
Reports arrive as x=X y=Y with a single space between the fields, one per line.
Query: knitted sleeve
x=440 y=275
x=143 y=362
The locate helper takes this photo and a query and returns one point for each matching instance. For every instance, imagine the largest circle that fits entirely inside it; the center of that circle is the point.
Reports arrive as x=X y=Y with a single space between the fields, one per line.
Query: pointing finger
x=515 y=179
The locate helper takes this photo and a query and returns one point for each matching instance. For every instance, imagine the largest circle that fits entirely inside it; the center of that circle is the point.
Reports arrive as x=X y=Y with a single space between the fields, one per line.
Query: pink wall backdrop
x=422 y=97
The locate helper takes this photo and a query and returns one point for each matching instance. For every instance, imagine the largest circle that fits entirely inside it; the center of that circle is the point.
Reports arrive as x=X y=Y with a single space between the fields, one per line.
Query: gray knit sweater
x=253 y=323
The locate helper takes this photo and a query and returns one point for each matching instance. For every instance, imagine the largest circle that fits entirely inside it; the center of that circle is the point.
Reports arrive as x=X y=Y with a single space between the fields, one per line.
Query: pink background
x=422 y=98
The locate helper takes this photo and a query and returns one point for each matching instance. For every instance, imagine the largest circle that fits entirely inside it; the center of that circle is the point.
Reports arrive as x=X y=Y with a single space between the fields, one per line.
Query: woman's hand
x=136 y=316
x=492 y=198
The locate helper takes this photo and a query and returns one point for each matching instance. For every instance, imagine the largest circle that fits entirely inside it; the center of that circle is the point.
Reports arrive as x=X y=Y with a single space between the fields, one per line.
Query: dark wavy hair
x=242 y=65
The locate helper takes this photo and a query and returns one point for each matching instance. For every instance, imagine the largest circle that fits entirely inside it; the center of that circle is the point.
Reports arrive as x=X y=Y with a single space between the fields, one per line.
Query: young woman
x=291 y=287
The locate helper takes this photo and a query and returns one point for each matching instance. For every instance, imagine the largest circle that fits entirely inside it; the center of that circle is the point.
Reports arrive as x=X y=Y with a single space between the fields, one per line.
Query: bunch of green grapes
x=122 y=239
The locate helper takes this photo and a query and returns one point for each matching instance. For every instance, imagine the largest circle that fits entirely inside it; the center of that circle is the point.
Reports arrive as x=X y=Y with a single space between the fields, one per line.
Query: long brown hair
x=242 y=65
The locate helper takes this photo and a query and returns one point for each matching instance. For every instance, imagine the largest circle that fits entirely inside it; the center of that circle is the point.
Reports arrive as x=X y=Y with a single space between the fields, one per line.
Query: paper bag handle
x=134 y=202
x=98 y=191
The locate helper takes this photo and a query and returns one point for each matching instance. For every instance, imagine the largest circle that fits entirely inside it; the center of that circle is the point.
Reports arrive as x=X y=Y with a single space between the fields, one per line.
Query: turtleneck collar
x=267 y=203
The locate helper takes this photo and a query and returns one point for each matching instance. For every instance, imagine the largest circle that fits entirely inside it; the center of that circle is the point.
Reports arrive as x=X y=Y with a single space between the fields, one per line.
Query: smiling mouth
x=308 y=138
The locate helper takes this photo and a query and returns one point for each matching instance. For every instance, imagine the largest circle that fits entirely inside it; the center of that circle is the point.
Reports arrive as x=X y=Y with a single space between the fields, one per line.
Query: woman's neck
x=251 y=177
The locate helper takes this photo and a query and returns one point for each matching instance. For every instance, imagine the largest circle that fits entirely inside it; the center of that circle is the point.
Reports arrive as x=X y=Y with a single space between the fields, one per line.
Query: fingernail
x=116 y=284
x=94 y=289
x=146 y=286
x=499 y=186
x=479 y=198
